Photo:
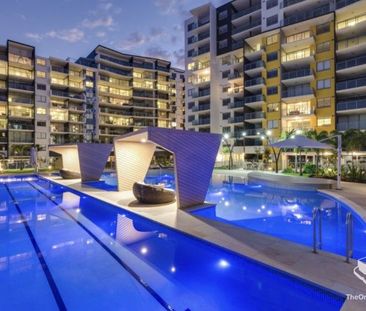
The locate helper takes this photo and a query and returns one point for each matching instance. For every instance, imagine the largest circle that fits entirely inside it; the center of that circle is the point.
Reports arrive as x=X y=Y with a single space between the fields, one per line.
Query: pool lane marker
x=51 y=282
x=111 y=253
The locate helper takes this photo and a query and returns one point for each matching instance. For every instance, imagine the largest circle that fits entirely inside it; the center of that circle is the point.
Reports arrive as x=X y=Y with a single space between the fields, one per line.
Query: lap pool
x=61 y=249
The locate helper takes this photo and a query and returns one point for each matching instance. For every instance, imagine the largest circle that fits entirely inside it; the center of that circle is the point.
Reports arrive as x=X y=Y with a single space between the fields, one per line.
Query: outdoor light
x=298 y=132
x=143 y=250
x=226 y=136
x=262 y=137
x=223 y=263
x=244 y=134
x=172 y=269
x=143 y=140
x=258 y=133
x=269 y=133
x=292 y=136
x=174 y=124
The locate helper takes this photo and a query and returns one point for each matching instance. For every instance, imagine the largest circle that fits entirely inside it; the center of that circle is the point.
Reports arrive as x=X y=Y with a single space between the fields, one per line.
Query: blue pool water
x=285 y=214
x=63 y=250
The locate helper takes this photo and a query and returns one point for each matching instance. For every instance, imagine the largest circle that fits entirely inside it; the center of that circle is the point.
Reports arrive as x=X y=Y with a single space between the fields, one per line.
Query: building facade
x=53 y=101
x=256 y=69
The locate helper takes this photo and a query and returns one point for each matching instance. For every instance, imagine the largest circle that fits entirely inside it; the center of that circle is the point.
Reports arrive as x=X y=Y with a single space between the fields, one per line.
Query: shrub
x=309 y=169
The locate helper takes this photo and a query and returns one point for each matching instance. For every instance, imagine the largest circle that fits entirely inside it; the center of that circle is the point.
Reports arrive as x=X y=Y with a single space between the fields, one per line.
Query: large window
x=272 y=39
x=323 y=84
x=323 y=102
x=322 y=66
x=324 y=121
x=273 y=124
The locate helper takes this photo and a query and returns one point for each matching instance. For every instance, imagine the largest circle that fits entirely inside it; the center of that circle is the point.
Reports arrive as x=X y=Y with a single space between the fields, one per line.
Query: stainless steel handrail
x=349 y=236
x=317 y=223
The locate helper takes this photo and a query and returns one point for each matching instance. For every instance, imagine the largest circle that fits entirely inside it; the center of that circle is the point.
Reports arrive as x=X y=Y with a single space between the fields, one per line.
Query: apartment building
x=53 y=101
x=275 y=66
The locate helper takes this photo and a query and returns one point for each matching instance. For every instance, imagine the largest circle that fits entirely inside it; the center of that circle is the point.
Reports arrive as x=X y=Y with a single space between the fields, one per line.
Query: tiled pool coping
x=325 y=269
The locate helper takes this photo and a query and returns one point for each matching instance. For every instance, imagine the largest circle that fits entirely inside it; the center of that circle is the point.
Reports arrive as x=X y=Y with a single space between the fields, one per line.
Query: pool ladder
x=317 y=229
x=349 y=236
x=317 y=232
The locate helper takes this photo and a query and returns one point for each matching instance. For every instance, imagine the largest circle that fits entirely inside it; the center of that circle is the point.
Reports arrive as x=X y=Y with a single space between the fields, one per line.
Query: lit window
x=41 y=74
x=41 y=110
x=41 y=62
x=324 y=121
x=89 y=84
x=272 y=39
x=324 y=102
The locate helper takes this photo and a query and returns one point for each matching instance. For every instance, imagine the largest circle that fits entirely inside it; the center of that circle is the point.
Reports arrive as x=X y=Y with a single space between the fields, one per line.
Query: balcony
x=237 y=44
x=203 y=50
x=236 y=90
x=235 y=75
x=356 y=86
x=246 y=26
x=353 y=65
x=254 y=117
x=205 y=121
x=201 y=107
x=201 y=22
x=60 y=69
x=298 y=110
x=245 y=12
x=115 y=60
x=297 y=76
x=299 y=17
x=254 y=84
x=252 y=54
x=254 y=132
x=67 y=95
x=236 y=104
x=238 y=119
x=342 y=3
x=298 y=41
x=21 y=87
x=254 y=67
x=351 y=106
x=254 y=101
x=298 y=93
x=353 y=45
x=287 y=3
x=297 y=58
x=201 y=93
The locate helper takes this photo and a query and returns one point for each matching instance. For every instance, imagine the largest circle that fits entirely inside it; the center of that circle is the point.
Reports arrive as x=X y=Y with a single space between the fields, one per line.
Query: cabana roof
x=300 y=141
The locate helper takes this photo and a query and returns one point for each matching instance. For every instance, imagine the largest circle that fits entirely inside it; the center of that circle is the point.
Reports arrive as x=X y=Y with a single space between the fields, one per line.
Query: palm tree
x=314 y=134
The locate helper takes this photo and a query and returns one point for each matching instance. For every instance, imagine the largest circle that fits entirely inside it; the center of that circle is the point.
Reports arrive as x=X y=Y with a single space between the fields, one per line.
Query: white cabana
x=302 y=142
x=194 y=159
x=88 y=159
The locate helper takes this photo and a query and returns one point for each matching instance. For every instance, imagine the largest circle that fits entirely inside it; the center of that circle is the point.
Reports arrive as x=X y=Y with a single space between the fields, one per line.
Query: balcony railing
x=237 y=119
x=237 y=45
x=201 y=121
x=255 y=115
x=296 y=18
x=115 y=60
x=342 y=3
x=287 y=3
x=296 y=74
x=254 y=132
x=357 y=61
x=351 y=104
x=235 y=75
x=348 y=43
x=21 y=100
x=203 y=35
x=66 y=94
x=253 y=82
x=21 y=86
x=253 y=99
x=254 y=65
x=247 y=11
x=203 y=50
x=60 y=69
x=351 y=84
x=297 y=92
x=246 y=26
x=237 y=104
x=201 y=107
x=201 y=93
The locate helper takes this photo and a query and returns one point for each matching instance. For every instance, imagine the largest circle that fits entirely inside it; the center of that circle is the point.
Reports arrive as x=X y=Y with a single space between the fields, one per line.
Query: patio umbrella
x=300 y=142
x=33 y=158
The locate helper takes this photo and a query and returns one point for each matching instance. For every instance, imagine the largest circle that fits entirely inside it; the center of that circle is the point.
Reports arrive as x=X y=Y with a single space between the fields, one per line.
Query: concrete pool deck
x=325 y=269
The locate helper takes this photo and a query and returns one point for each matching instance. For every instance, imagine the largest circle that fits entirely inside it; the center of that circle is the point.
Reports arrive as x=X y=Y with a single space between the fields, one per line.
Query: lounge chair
x=67 y=174
x=152 y=194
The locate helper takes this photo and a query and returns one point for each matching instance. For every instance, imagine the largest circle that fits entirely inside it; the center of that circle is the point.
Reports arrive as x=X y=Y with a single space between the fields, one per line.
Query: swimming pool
x=61 y=249
x=285 y=214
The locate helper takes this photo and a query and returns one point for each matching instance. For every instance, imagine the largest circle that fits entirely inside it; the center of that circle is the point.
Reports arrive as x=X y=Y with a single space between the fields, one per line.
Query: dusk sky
x=72 y=28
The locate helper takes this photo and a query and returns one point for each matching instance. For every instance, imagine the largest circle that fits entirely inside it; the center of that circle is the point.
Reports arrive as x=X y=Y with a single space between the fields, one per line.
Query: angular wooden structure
x=85 y=158
x=194 y=159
